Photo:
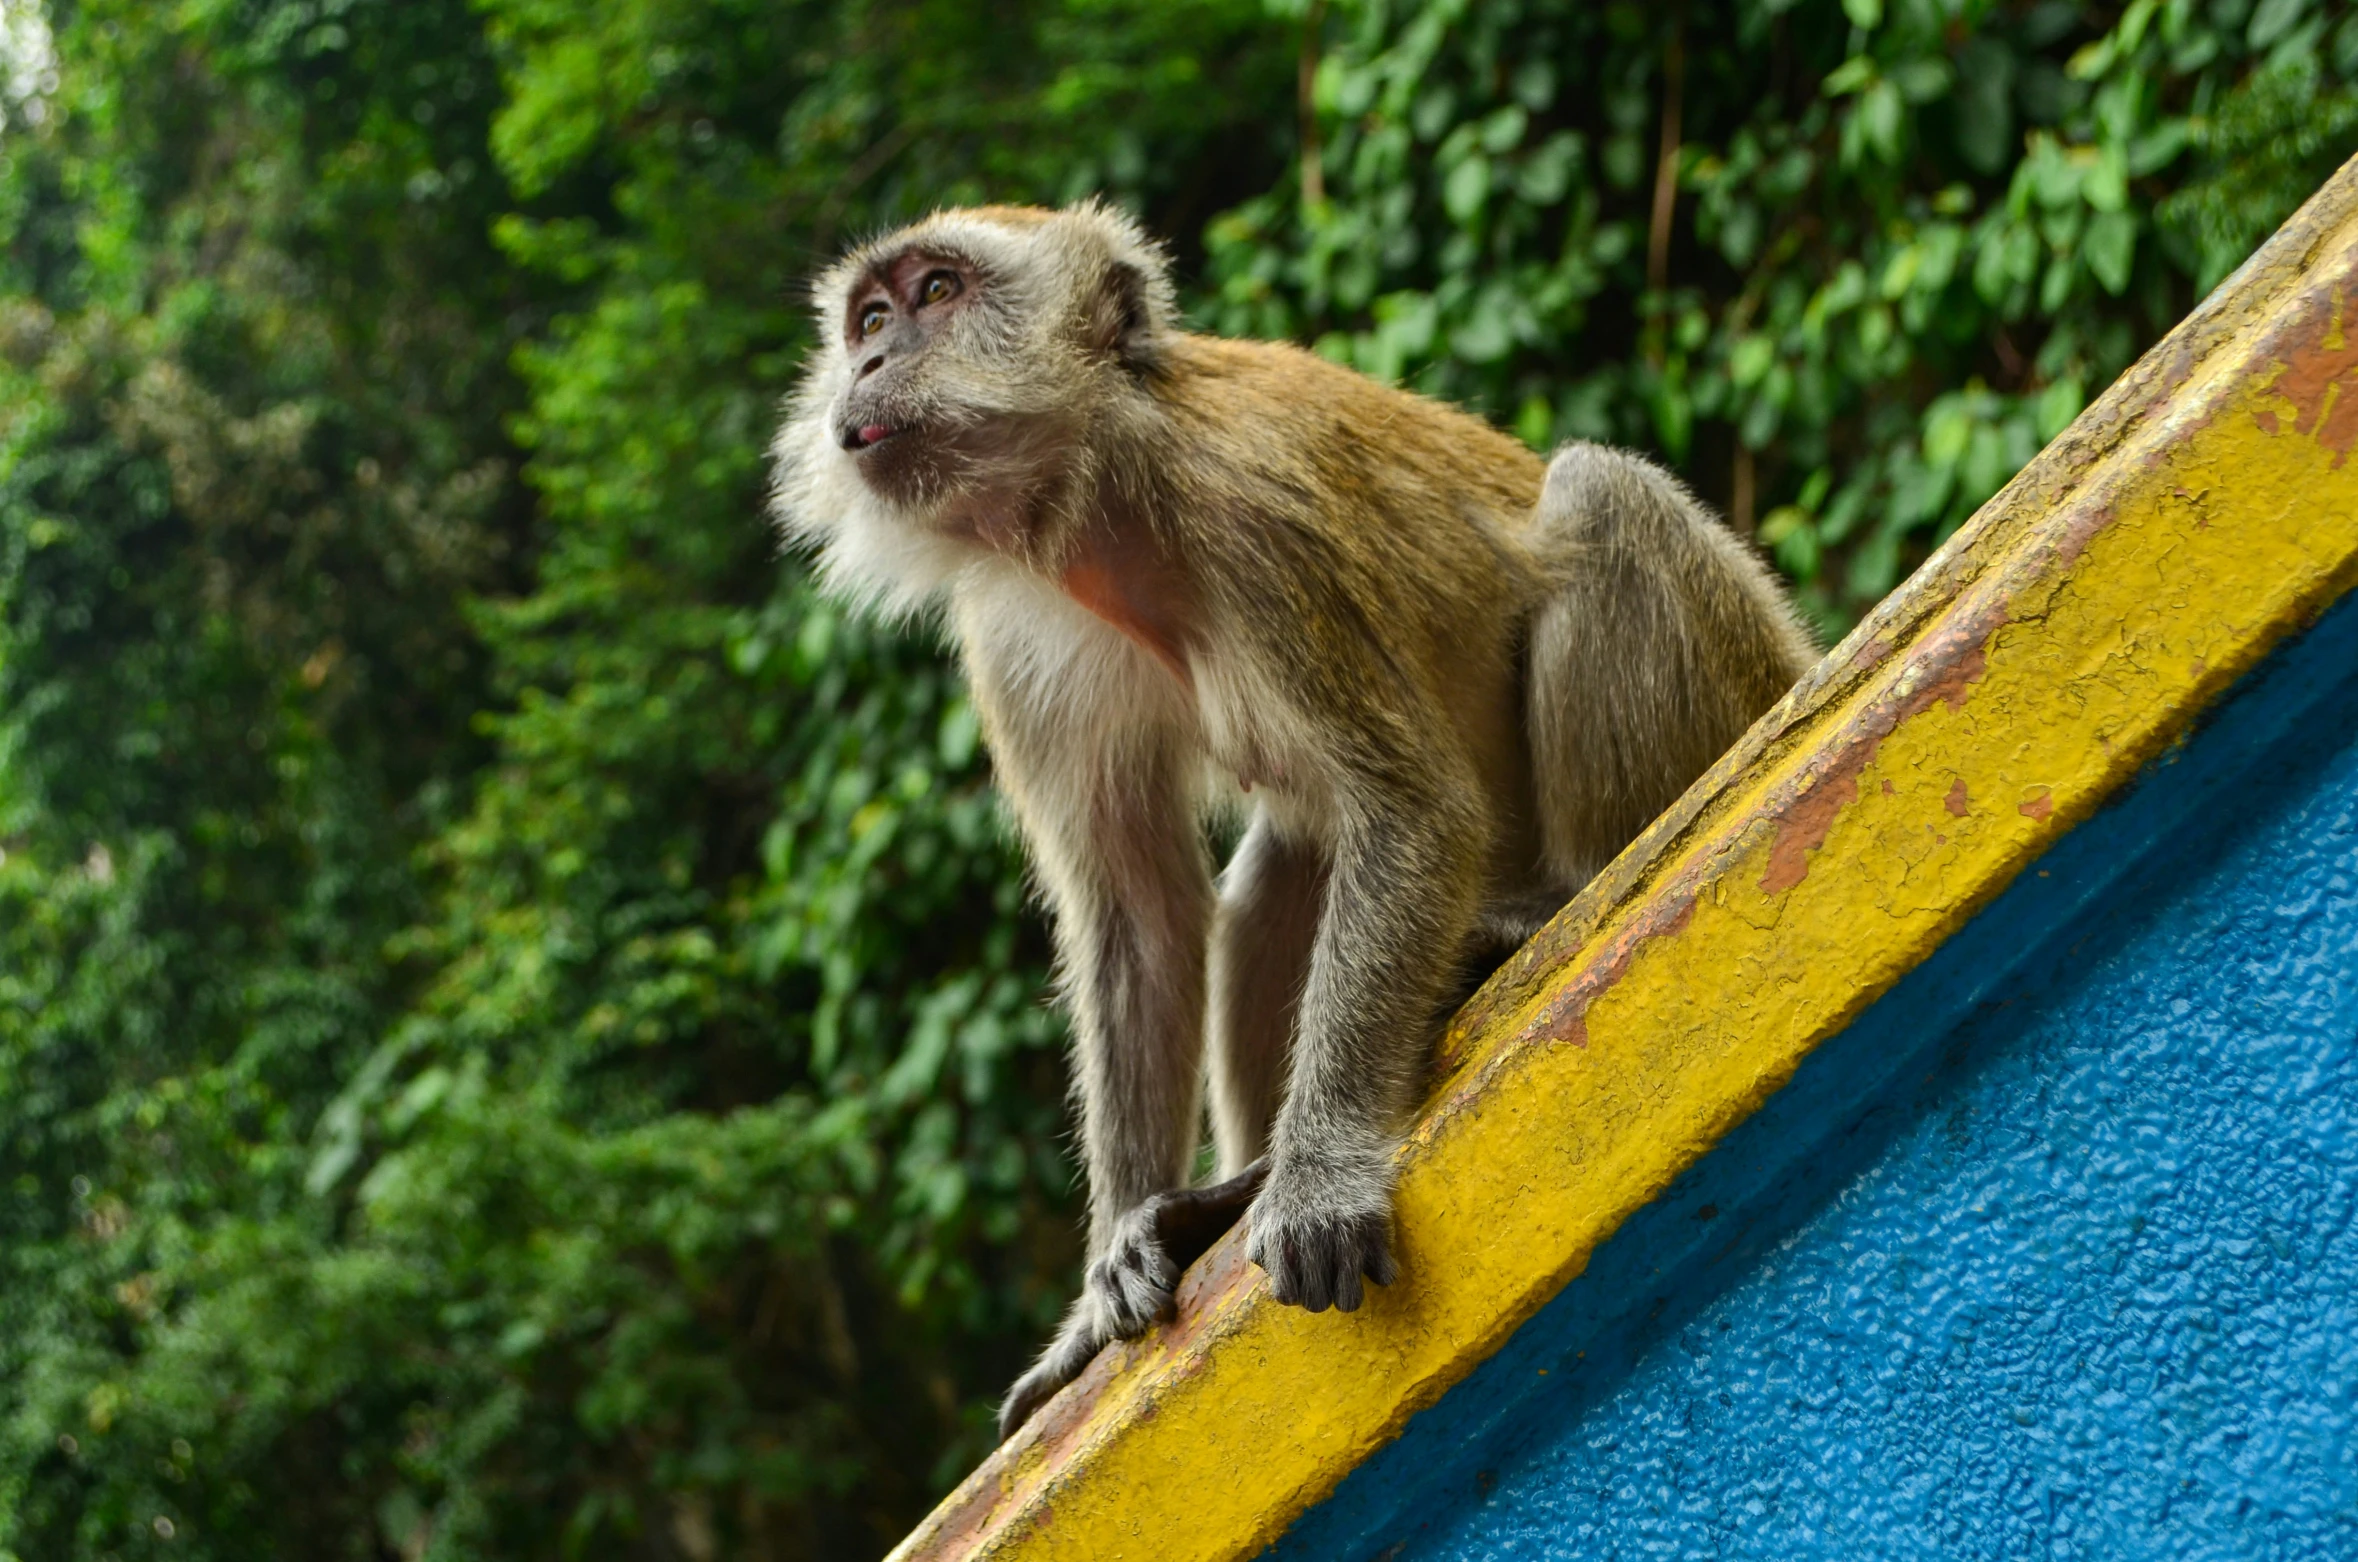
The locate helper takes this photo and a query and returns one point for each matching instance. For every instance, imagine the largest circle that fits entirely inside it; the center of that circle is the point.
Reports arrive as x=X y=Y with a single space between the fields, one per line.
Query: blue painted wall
x=2053 y=1254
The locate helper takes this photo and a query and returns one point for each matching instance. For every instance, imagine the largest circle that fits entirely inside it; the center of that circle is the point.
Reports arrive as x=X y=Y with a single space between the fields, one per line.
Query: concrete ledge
x=2202 y=509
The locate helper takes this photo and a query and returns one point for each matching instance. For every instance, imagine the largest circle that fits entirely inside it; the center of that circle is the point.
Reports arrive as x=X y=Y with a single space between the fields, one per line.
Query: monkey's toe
x=1133 y=1284
x=1130 y=1293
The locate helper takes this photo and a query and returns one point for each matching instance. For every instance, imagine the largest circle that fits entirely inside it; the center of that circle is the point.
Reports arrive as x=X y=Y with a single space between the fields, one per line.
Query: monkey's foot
x=1075 y=1346
x=1318 y=1234
x=1159 y=1238
x=1135 y=1280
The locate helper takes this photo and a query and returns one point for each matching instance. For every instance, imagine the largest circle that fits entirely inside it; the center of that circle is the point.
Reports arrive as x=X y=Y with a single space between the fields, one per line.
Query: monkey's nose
x=871 y=366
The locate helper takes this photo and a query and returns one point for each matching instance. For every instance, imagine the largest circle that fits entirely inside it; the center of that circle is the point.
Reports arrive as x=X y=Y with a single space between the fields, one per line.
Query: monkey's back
x=1409 y=507
x=1371 y=439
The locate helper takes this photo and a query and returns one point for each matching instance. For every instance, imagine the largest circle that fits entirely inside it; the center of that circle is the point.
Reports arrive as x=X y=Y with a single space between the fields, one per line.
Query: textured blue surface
x=2054 y=1253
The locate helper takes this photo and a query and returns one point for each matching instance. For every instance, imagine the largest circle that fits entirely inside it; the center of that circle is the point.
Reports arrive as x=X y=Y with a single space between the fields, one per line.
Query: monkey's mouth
x=864 y=436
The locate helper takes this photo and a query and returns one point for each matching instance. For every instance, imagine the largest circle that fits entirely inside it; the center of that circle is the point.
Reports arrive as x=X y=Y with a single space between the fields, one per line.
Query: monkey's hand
x=1320 y=1226
x=1159 y=1238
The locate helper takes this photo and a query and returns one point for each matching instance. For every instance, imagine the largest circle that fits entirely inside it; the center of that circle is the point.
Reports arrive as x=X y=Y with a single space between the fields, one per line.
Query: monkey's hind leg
x=1271 y=895
x=1662 y=640
x=1260 y=952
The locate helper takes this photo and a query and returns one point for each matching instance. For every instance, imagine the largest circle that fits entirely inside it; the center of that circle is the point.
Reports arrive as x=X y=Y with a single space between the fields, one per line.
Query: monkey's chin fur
x=903 y=471
x=882 y=520
x=896 y=520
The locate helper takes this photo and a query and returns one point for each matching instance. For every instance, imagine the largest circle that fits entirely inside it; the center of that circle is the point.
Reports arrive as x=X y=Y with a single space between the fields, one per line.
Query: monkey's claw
x=1315 y=1258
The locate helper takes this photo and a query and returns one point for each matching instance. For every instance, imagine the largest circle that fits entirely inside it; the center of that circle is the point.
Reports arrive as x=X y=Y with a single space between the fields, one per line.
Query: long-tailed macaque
x=1444 y=682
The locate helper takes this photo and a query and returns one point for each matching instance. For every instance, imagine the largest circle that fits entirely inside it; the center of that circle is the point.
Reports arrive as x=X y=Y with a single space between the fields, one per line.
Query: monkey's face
x=905 y=327
x=965 y=372
x=958 y=385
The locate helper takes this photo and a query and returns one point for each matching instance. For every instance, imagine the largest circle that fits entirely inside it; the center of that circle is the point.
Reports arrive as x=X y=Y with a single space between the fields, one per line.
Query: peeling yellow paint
x=2196 y=514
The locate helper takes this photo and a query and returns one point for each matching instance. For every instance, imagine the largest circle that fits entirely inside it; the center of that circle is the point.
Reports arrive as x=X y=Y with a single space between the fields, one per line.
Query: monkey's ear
x=1122 y=317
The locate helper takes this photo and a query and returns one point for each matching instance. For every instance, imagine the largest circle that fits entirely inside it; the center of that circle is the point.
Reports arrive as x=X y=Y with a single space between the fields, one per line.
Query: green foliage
x=522 y=1024
x=520 y=1027
x=1909 y=241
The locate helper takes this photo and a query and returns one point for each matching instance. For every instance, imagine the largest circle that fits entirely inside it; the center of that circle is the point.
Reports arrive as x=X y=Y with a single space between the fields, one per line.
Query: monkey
x=1439 y=683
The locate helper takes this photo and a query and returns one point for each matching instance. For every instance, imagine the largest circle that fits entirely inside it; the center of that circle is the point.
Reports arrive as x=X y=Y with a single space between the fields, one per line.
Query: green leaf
x=2109 y=246
x=2157 y=148
x=1544 y=176
x=1503 y=130
x=1922 y=80
x=1482 y=338
x=1852 y=75
x=1947 y=431
x=1750 y=360
x=1879 y=112
x=2058 y=404
x=2271 y=20
x=2104 y=181
x=1535 y=422
x=1465 y=189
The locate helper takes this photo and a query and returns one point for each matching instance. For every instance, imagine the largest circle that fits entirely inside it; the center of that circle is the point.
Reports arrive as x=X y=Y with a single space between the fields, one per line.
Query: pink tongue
x=872 y=432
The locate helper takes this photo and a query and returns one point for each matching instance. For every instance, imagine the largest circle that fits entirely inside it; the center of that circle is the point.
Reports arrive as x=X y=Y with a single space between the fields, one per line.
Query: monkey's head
x=965 y=373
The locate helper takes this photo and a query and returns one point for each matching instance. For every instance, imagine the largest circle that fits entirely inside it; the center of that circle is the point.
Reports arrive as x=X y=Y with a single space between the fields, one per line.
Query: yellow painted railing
x=2206 y=506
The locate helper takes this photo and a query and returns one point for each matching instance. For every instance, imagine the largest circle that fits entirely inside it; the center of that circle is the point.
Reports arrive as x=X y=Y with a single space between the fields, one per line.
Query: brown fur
x=1448 y=682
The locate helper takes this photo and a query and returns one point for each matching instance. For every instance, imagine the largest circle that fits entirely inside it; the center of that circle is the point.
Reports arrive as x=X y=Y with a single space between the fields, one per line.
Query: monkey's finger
x=1380 y=1265
x=1149 y=1266
x=1133 y=1286
x=1315 y=1273
x=1347 y=1292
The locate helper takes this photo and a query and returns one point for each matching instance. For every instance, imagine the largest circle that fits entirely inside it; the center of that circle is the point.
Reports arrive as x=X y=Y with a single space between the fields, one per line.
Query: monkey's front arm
x=1401 y=897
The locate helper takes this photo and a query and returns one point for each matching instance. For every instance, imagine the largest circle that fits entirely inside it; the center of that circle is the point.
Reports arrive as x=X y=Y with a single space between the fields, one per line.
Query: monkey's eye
x=872 y=319
x=937 y=286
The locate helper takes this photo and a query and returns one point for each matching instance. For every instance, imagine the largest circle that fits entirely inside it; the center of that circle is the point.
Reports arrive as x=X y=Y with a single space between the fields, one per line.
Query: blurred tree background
x=519 y=1026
